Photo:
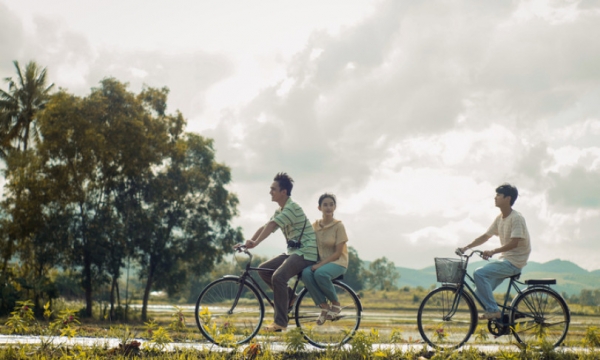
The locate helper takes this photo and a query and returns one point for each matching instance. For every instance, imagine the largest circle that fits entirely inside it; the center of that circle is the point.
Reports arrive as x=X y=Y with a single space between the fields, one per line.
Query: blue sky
x=410 y=112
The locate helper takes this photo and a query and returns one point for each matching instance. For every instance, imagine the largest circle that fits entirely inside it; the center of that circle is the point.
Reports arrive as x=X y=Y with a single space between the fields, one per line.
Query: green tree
x=19 y=107
x=39 y=225
x=183 y=217
x=354 y=276
x=382 y=274
x=92 y=148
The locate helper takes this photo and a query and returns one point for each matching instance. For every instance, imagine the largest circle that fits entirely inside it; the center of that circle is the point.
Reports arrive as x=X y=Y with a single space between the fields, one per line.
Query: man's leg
x=292 y=266
x=488 y=277
x=274 y=264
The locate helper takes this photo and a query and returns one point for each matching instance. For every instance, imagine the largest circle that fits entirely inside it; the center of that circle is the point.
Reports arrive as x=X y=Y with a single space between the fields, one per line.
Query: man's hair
x=508 y=190
x=285 y=182
x=325 y=196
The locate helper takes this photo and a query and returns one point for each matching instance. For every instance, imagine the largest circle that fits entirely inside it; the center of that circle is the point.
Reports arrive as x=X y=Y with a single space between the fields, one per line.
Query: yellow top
x=328 y=237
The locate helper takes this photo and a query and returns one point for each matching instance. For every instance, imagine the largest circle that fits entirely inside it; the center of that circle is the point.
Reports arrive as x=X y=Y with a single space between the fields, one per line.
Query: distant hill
x=570 y=278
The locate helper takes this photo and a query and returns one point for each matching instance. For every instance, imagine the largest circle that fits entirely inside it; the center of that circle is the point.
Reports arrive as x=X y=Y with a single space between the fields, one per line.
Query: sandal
x=274 y=328
x=323 y=317
x=334 y=311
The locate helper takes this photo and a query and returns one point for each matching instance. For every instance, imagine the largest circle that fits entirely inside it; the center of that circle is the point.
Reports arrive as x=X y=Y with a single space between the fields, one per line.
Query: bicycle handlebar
x=459 y=252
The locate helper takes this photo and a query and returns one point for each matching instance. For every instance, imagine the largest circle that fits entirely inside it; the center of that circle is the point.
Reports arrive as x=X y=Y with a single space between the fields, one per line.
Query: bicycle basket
x=449 y=270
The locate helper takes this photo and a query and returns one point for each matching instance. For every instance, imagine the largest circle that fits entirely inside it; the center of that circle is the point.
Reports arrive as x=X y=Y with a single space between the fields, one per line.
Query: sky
x=410 y=112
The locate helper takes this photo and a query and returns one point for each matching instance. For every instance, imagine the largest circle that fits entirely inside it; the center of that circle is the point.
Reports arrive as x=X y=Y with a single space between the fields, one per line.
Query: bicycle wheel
x=439 y=326
x=540 y=314
x=333 y=332
x=229 y=312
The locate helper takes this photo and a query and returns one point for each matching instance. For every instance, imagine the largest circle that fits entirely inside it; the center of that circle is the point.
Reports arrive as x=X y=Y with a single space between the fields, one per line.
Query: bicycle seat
x=541 y=282
x=515 y=277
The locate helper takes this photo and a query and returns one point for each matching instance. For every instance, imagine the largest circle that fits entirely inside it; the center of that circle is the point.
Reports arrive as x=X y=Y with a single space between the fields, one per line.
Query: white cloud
x=411 y=112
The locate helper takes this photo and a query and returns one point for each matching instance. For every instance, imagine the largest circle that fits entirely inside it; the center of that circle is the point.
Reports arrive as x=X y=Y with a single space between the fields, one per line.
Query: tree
x=183 y=217
x=37 y=224
x=19 y=107
x=354 y=275
x=92 y=148
x=382 y=275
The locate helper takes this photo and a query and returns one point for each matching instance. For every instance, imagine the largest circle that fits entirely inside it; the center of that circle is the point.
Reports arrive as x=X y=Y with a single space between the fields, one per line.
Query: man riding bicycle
x=515 y=248
x=301 y=251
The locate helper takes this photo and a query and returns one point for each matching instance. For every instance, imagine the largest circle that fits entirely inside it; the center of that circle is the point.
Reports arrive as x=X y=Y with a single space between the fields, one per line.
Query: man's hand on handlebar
x=249 y=244
x=487 y=254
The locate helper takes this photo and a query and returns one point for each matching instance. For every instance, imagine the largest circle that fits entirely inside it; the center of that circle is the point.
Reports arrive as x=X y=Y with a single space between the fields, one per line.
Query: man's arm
x=480 y=240
x=513 y=243
x=262 y=233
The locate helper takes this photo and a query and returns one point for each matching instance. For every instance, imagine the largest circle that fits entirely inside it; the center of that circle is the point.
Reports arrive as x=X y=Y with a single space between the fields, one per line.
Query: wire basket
x=450 y=270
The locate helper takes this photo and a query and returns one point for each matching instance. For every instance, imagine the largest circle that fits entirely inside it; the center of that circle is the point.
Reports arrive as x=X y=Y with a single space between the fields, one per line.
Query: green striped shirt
x=291 y=220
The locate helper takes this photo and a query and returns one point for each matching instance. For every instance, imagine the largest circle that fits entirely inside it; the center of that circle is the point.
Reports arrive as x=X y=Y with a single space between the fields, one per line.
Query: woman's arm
x=339 y=248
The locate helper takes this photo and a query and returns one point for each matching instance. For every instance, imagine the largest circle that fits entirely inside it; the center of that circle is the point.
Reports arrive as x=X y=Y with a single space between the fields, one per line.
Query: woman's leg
x=323 y=277
x=308 y=277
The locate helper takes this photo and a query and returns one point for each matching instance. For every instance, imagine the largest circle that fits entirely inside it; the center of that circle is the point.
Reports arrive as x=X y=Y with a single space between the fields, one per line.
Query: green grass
x=388 y=317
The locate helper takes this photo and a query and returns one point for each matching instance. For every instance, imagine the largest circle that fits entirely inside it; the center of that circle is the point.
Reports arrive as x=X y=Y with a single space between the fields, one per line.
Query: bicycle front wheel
x=333 y=332
x=443 y=325
x=540 y=314
x=229 y=312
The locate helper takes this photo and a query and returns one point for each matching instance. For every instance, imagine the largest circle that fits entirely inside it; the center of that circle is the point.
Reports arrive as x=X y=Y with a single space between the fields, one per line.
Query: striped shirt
x=291 y=219
x=512 y=226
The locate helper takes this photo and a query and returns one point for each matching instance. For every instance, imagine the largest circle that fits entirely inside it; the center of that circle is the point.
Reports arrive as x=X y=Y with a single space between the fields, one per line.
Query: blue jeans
x=318 y=283
x=488 y=277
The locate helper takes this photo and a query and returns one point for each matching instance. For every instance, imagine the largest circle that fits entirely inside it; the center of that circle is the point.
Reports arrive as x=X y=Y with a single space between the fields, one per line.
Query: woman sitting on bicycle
x=333 y=260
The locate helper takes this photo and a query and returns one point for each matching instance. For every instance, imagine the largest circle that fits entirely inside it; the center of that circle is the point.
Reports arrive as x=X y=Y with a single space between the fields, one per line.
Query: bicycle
x=447 y=316
x=230 y=311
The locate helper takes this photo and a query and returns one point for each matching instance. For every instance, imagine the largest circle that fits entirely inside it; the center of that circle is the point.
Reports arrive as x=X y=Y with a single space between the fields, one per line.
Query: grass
x=389 y=318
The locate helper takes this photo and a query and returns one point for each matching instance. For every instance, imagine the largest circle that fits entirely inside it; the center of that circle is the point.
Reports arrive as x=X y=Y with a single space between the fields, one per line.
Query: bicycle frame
x=464 y=288
x=246 y=274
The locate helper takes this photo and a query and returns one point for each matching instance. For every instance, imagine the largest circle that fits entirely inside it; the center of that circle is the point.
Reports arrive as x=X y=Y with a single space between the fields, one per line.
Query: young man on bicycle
x=301 y=251
x=515 y=247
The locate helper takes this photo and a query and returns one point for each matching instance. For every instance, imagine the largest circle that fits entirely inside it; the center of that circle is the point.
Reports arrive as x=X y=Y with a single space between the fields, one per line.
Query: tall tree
x=382 y=274
x=38 y=224
x=354 y=276
x=92 y=147
x=183 y=217
x=19 y=107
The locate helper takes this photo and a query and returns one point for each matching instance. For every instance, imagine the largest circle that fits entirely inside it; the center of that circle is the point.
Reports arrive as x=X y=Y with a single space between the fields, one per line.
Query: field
x=389 y=318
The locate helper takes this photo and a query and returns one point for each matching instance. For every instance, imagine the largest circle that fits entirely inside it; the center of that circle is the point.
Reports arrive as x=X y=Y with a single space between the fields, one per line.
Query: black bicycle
x=230 y=311
x=447 y=316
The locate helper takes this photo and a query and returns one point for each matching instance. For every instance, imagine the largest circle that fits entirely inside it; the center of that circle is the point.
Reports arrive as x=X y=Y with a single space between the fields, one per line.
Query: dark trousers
x=287 y=267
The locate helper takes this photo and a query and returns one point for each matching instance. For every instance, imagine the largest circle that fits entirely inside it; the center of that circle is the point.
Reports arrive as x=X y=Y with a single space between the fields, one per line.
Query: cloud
x=11 y=37
x=580 y=188
x=412 y=115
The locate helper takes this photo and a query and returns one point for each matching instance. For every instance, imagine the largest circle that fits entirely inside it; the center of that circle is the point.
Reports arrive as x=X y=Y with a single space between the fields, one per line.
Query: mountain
x=570 y=278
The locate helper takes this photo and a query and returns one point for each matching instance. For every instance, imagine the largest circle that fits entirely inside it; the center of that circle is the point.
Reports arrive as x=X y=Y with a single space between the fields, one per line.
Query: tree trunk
x=87 y=284
x=112 y=298
x=118 y=295
x=147 y=292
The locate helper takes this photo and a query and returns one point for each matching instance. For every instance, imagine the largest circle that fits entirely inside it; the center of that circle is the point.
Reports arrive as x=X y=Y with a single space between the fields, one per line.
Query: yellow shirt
x=328 y=237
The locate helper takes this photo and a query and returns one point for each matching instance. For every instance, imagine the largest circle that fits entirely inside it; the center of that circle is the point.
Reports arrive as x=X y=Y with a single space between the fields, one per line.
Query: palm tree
x=19 y=106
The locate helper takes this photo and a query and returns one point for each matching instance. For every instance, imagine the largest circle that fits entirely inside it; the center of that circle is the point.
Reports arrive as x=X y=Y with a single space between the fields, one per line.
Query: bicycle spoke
x=223 y=323
x=333 y=332
x=540 y=314
x=440 y=325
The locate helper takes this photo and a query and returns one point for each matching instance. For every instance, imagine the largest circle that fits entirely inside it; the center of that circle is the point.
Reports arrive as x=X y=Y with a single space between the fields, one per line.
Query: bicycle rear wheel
x=333 y=332
x=540 y=314
x=439 y=326
x=229 y=312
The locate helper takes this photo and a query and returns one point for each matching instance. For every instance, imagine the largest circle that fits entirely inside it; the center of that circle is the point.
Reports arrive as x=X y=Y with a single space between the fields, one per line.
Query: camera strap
x=302 y=233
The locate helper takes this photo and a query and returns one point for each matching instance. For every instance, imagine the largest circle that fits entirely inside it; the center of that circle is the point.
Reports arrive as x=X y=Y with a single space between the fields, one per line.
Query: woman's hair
x=325 y=196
